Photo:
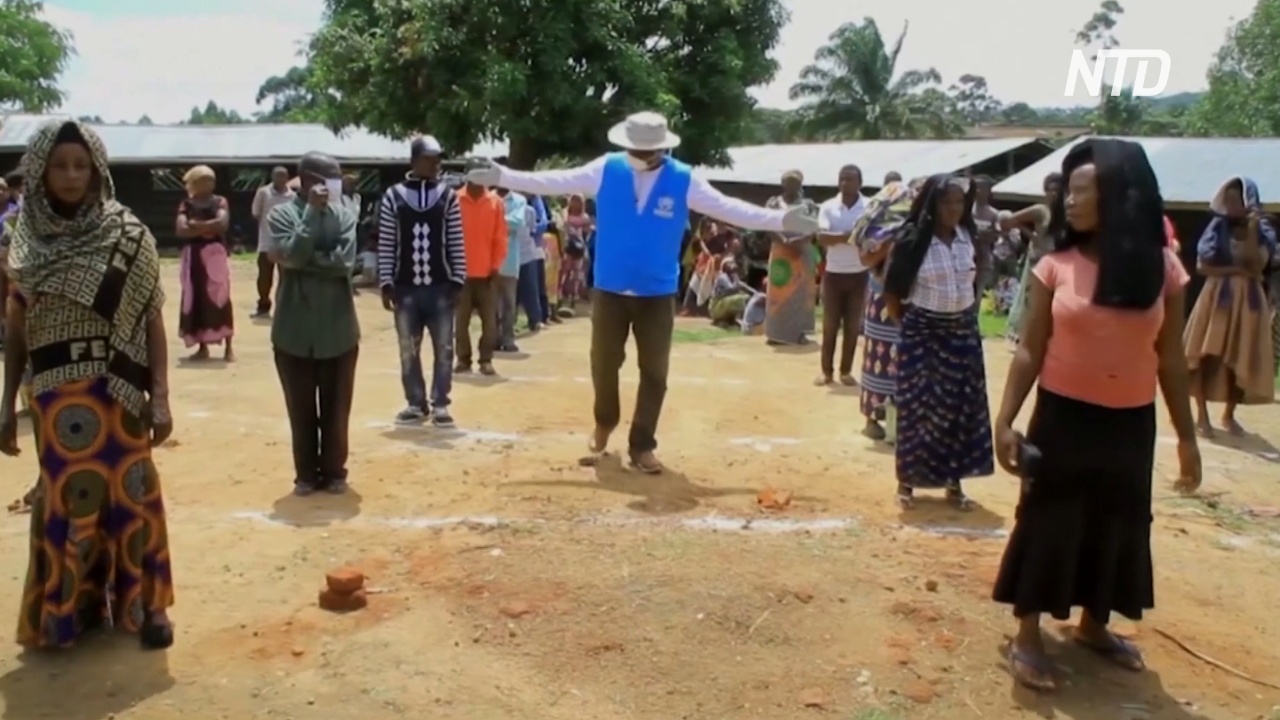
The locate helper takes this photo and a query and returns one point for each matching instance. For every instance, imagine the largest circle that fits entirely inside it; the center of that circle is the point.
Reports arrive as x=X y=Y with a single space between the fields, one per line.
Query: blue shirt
x=543 y=219
x=515 y=206
x=638 y=252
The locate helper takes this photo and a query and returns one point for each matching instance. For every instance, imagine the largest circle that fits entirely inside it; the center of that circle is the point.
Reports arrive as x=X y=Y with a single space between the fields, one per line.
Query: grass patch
x=992 y=326
x=875 y=714
x=711 y=333
x=1219 y=513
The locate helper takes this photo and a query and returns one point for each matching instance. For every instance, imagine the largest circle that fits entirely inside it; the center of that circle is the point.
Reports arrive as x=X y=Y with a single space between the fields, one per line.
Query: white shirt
x=702 y=199
x=945 y=281
x=835 y=218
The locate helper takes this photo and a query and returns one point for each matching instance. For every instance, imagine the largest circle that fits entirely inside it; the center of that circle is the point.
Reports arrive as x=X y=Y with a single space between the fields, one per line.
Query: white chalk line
x=582 y=379
x=706 y=523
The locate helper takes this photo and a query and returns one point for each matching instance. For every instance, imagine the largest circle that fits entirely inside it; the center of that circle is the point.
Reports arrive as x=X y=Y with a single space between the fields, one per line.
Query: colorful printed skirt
x=792 y=293
x=99 y=545
x=944 y=424
x=879 y=356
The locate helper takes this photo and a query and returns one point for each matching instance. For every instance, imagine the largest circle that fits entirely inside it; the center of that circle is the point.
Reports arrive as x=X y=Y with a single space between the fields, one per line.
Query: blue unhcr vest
x=637 y=251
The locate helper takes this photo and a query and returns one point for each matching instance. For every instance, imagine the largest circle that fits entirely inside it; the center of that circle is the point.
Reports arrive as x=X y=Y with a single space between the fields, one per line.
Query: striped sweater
x=420 y=196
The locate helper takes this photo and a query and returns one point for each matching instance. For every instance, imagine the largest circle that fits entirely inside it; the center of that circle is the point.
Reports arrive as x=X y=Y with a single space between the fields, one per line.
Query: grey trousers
x=506 y=289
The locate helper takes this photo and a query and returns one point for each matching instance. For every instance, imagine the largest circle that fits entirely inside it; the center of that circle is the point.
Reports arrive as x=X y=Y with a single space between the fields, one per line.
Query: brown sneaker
x=462 y=368
x=486 y=368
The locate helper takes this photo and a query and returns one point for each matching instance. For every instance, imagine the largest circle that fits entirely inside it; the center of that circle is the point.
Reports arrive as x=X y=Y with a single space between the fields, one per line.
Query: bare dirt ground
x=582 y=594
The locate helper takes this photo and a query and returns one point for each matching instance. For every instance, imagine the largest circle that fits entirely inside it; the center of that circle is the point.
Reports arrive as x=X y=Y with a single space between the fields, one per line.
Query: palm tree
x=852 y=90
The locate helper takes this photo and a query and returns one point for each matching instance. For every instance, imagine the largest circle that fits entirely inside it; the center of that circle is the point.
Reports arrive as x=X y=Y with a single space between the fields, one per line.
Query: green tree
x=145 y=120
x=853 y=89
x=291 y=97
x=549 y=76
x=973 y=100
x=1121 y=114
x=212 y=114
x=771 y=126
x=33 y=53
x=1244 y=81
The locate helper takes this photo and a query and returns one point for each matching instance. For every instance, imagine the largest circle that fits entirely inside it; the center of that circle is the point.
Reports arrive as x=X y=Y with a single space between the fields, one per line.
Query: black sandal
x=155 y=635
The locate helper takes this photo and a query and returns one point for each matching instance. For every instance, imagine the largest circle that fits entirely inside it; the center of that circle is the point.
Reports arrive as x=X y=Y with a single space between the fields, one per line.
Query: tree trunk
x=522 y=153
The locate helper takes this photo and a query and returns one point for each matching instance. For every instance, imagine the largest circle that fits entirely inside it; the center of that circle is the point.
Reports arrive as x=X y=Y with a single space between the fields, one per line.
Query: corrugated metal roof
x=179 y=144
x=764 y=164
x=1190 y=170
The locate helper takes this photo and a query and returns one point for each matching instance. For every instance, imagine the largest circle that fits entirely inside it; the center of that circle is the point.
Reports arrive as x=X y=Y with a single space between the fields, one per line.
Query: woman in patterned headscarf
x=203 y=218
x=874 y=233
x=87 y=316
x=1228 y=336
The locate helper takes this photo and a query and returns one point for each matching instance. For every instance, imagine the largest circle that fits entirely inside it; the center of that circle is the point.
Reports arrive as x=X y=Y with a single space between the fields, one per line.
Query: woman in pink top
x=1104 y=328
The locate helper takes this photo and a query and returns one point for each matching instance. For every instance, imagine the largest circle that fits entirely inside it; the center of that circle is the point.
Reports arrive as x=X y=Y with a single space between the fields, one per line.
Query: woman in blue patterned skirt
x=944 y=423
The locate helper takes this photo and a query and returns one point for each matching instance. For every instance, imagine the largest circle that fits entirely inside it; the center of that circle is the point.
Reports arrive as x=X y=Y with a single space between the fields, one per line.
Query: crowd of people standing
x=1099 y=332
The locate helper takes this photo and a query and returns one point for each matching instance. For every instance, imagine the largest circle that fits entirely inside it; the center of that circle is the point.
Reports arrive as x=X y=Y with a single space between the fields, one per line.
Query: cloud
x=127 y=66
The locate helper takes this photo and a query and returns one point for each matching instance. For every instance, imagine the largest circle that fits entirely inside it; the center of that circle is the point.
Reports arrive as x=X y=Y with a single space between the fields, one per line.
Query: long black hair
x=915 y=236
x=1129 y=240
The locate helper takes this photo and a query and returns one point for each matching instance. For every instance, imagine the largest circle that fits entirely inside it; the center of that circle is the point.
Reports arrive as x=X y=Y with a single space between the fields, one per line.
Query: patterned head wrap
x=101 y=257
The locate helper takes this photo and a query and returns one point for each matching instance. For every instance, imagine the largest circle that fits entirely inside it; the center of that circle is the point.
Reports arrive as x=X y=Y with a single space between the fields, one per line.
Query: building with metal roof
x=1190 y=170
x=248 y=144
x=821 y=163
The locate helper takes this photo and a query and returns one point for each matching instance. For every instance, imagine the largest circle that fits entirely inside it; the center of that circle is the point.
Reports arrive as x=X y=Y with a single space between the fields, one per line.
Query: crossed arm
x=317 y=240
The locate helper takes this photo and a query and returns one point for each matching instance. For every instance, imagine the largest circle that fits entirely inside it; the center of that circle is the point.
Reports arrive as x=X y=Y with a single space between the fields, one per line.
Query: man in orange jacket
x=484 y=234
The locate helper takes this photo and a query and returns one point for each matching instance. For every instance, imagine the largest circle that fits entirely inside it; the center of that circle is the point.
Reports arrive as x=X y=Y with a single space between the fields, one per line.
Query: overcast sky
x=140 y=57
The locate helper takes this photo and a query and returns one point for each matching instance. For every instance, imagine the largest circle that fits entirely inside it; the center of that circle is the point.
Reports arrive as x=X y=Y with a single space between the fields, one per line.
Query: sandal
x=958 y=499
x=1040 y=667
x=906 y=497
x=1117 y=651
x=874 y=431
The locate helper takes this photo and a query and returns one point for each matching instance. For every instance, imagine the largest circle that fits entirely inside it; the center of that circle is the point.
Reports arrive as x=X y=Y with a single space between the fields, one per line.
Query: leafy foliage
x=854 y=89
x=293 y=97
x=33 y=53
x=468 y=72
x=1244 y=81
x=212 y=114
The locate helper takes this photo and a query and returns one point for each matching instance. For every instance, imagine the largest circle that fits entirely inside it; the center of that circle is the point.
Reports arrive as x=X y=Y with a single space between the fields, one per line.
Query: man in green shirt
x=314 y=332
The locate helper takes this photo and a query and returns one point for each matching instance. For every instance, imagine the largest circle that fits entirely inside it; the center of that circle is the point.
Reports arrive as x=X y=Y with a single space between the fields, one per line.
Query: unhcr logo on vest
x=665 y=208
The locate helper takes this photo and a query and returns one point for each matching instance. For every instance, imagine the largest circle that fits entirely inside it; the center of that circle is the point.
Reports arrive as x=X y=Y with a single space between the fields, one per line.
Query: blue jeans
x=433 y=309
x=527 y=292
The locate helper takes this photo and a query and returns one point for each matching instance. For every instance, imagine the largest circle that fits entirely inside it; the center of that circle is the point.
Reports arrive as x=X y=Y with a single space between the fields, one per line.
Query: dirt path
x=584 y=594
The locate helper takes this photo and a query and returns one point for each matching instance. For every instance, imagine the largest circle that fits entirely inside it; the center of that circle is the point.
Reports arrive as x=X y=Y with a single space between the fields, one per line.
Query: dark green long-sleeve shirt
x=315 y=315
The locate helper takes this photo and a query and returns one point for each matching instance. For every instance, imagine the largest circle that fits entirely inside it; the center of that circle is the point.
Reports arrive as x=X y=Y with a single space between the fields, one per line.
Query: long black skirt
x=1082 y=537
